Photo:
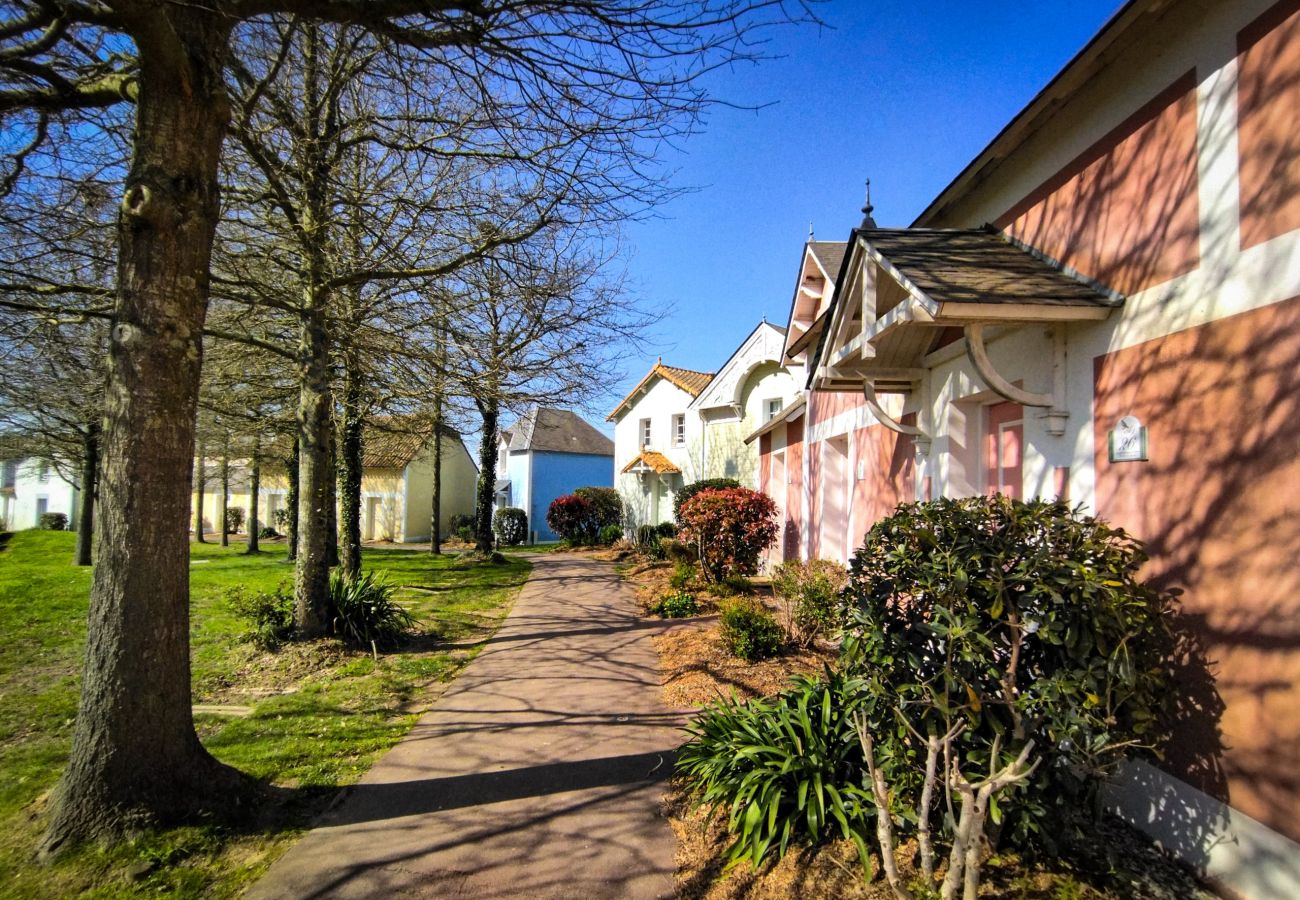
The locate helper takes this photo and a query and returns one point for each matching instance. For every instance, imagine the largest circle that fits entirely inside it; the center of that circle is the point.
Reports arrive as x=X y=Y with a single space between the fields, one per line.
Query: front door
x=374 y=508
x=1004 y=438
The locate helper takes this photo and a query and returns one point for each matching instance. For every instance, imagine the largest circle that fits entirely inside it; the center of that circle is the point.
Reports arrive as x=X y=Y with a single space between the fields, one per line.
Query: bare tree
x=630 y=70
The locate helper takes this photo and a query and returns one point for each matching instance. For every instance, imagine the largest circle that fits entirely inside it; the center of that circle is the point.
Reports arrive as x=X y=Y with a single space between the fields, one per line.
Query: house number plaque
x=1128 y=440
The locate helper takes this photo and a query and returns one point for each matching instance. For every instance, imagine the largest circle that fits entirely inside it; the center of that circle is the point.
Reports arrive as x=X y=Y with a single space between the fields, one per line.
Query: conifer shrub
x=510 y=523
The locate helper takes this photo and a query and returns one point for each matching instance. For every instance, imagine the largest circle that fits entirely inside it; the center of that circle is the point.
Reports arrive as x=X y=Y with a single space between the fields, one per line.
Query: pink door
x=1004 y=438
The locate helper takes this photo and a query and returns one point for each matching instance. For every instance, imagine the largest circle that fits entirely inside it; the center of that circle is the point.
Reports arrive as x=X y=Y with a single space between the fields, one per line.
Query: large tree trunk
x=435 y=518
x=201 y=483
x=315 y=480
x=254 y=506
x=350 y=471
x=135 y=757
x=225 y=496
x=487 y=475
x=291 y=502
x=86 y=500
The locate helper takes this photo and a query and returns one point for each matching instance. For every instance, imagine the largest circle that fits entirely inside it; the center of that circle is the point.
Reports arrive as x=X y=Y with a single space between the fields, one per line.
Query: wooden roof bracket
x=920 y=439
x=1054 y=402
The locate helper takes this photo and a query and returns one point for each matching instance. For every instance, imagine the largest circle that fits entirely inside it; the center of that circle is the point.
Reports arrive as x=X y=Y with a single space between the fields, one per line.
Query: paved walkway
x=538 y=774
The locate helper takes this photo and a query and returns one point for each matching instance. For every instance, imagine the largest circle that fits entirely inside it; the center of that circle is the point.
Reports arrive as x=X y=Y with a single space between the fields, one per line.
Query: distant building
x=546 y=454
x=31 y=487
x=396 y=483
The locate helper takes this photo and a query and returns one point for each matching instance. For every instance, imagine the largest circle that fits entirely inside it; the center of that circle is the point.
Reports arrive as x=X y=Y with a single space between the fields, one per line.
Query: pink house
x=1104 y=306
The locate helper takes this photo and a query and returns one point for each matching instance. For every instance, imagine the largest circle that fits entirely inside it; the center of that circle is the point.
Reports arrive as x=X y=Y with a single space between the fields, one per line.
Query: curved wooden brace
x=979 y=357
x=869 y=392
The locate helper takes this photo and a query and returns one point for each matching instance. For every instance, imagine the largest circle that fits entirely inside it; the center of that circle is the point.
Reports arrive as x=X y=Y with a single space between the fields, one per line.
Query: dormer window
x=645 y=433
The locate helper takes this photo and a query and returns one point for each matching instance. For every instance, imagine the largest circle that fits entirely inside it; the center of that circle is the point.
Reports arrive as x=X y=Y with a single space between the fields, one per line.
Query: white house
x=31 y=487
x=678 y=426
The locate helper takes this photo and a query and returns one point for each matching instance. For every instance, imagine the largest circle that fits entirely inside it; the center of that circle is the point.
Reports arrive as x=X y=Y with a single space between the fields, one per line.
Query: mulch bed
x=1117 y=862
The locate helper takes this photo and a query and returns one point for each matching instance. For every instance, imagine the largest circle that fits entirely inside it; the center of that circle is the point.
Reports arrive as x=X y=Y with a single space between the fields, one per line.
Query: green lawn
x=309 y=717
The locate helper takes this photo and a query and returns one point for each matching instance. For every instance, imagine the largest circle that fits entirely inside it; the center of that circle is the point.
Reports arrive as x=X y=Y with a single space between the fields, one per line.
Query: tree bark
x=224 y=525
x=254 y=489
x=315 y=480
x=86 y=501
x=490 y=410
x=435 y=518
x=201 y=483
x=291 y=502
x=136 y=759
x=350 y=471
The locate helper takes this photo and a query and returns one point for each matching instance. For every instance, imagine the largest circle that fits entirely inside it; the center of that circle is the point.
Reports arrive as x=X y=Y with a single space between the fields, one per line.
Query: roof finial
x=867 y=220
x=810 y=232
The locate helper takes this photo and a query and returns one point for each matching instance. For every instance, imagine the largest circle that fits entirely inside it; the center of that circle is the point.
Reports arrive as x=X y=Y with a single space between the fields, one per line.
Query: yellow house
x=396 y=484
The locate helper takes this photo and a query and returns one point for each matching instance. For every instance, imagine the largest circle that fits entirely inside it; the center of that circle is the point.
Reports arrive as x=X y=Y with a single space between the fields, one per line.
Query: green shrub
x=606 y=506
x=666 y=529
x=1024 y=620
x=234 y=519
x=811 y=591
x=682 y=576
x=611 y=534
x=647 y=534
x=510 y=524
x=267 y=532
x=362 y=611
x=784 y=769
x=281 y=518
x=676 y=606
x=749 y=631
x=690 y=490
x=678 y=551
x=459 y=521
x=730 y=528
x=55 y=521
x=464 y=533
x=269 y=614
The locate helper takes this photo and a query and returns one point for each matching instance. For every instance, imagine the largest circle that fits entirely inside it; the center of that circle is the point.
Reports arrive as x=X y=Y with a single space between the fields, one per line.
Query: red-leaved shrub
x=730 y=527
x=572 y=518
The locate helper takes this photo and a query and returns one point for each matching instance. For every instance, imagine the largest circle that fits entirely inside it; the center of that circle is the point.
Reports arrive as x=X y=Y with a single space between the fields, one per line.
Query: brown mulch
x=1116 y=862
x=698 y=669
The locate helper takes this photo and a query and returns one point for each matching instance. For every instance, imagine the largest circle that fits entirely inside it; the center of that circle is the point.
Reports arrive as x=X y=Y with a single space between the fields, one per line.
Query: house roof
x=830 y=255
x=940 y=277
x=789 y=414
x=391 y=442
x=689 y=380
x=760 y=331
x=558 y=431
x=981 y=266
x=650 y=461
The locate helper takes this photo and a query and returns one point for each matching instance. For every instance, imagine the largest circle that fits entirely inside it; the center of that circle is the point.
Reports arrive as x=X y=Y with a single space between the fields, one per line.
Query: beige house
x=396 y=484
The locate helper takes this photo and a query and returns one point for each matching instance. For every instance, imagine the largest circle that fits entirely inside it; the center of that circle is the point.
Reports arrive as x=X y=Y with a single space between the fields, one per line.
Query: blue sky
x=903 y=93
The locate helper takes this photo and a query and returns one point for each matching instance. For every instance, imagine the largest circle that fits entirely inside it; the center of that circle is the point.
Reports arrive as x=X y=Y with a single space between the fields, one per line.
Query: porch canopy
x=905 y=293
x=651 y=463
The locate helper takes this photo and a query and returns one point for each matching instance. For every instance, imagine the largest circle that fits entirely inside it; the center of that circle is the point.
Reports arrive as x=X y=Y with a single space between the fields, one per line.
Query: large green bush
x=511 y=525
x=234 y=519
x=269 y=614
x=688 y=491
x=53 y=521
x=573 y=518
x=1020 y=620
x=784 y=769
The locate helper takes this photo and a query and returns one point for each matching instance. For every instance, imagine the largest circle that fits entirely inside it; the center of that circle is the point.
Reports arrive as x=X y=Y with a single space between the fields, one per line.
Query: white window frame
x=644 y=428
x=770 y=413
x=679 y=430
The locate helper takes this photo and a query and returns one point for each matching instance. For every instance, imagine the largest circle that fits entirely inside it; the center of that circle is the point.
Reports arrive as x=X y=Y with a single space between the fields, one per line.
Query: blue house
x=546 y=454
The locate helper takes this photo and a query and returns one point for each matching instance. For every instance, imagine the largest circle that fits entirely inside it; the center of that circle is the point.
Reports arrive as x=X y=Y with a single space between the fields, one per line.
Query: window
x=679 y=430
x=9 y=477
x=771 y=409
x=645 y=433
